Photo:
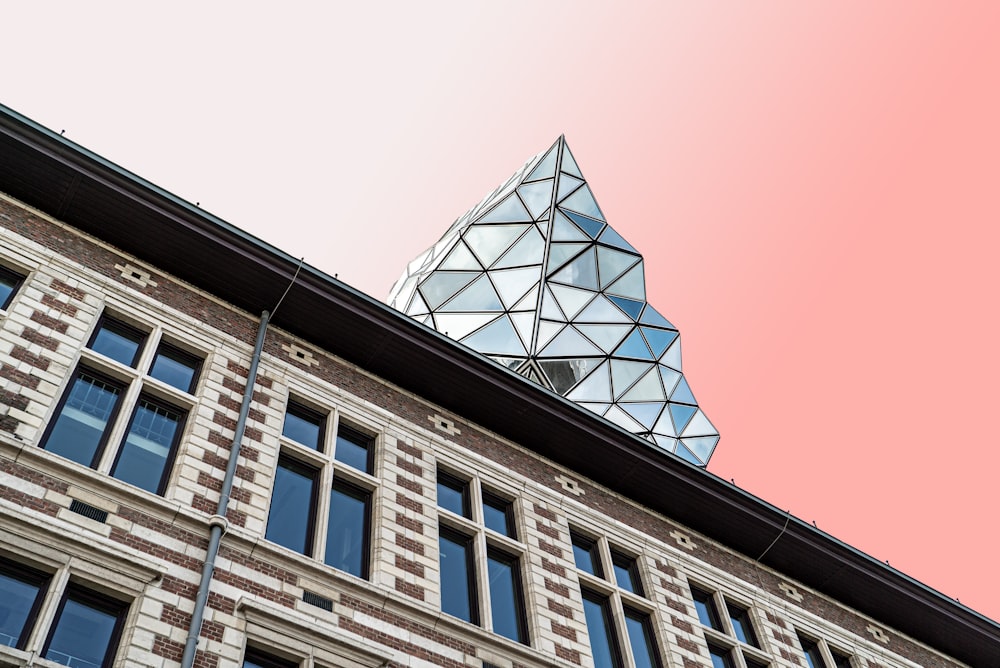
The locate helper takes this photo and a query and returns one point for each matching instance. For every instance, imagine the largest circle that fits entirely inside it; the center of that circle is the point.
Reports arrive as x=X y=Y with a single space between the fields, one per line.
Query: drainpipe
x=218 y=523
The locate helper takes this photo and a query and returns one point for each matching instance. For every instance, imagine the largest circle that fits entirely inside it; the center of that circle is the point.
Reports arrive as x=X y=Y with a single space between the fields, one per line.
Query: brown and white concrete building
x=394 y=499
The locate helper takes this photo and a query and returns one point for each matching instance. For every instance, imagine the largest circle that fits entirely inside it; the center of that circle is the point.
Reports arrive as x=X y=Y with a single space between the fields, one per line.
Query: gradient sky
x=815 y=188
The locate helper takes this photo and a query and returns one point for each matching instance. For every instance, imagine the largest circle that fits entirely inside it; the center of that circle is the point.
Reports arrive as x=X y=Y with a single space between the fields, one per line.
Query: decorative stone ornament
x=535 y=278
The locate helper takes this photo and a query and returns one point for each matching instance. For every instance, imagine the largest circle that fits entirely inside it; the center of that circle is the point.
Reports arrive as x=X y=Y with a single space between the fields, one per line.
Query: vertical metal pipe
x=218 y=522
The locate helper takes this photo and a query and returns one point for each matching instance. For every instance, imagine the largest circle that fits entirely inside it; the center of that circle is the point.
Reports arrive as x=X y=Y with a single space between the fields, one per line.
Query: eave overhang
x=82 y=189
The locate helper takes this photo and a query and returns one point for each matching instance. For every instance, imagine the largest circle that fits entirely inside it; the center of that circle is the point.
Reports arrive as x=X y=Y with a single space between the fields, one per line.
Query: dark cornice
x=82 y=189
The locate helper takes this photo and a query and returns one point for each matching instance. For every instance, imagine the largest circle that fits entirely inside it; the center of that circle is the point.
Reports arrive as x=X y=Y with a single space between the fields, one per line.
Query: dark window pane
x=354 y=449
x=706 y=609
x=175 y=367
x=9 y=282
x=753 y=663
x=601 y=632
x=498 y=515
x=347 y=529
x=627 y=573
x=585 y=555
x=741 y=625
x=147 y=453
x=813 y=657
x=85 y=631
x=304 y=426
x=841 y=661
x=21 y=592
x=79 y=430
x=453 y=494
x=640 y=638
x=720 y=657
x=457 y=586
x=505 y=597
x=256 y=659
x=289 y=522
x=118 y=341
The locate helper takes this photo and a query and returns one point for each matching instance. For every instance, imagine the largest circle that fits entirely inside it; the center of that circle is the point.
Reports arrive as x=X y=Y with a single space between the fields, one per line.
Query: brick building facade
x=397 y=499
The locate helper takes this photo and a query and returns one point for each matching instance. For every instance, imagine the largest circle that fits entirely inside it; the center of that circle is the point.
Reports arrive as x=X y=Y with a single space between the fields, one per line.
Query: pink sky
x=814 y=188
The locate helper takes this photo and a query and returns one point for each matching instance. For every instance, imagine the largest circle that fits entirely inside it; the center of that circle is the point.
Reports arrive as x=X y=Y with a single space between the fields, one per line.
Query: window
x=619 y=618
x=819 y=654
x=321 y=502
x=732 y=640
x=110 y=383
x=21 y=591
x=477 y=526
x=84 y=631
x=9 y=283
x=254 y=658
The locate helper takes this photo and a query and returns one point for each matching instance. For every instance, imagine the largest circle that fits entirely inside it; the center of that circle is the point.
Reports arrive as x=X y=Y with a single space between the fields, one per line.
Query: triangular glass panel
x=509 y=210
x=648 y=388
x=543 y=227
x=497 y=338
x=532 y=375
x=701 y=447
x=528 y=302
x=528 y=250
x=669 y=378
x=630 y=306
x=600 y=409
x=417 y=263
x=569 y=343
x=612 y=264
x=612 y=238
x=658 y=339
x=631 y=285
x=459 y=258
x=564 y=374
x=568 y=163
x=572 y=300
x=590 y=226
x=644 y=414
x=417 y=306
x=622 y=419
x=560 y=253
x=650 y=316
x=441 y=285
x=546 y=167
x=524 y=323
x=489 y=242
x=603 y=311
x=537 y=197
x=564 y=230
x=682 y=415
x=550 y=307
x=665 y=426
x=634 y=347
x=686 y=454
x=426 y=320
x=582 y=201
x=682 y=393
x=605 y=336
x=698 y=426
x=581 y=272
x=624 y=373
x=509 y=362
x=512 y=284
x=668 y=444
x=567 y=184
x=672 y=357
x=480 y=296
x=595 y=387
x=547 y=330
x=460 y=325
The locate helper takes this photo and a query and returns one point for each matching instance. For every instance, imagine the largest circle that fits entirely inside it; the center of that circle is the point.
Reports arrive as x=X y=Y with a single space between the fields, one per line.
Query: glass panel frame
x=355 y=449
x=306 y=426
x=601 y=629
x=627 y=573
x=10 y=283
x=742 y=624
x=28 y=578
x=642 y=639
x=360 y=550
x=453 y=494
x=128 y=450
x=463 y=603
x=78 y=598
x=586 y=555
x=498 y=515
x=171 y=365
x=312 y=474
x=111 y=339
x=65 y=409
x=504 y=570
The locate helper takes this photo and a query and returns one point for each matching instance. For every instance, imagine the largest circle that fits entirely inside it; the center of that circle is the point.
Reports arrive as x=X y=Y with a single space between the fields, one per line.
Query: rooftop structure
x=535 y=278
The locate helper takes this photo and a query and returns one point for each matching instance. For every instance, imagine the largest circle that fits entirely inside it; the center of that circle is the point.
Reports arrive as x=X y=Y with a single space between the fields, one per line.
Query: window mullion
x=117 y=431
x=321 y=522
x=483 y=578
x=621 y=627
x=47 y=611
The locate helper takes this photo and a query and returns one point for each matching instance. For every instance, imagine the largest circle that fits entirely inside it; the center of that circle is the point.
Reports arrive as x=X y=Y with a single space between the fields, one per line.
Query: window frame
x=724 y=637
x=331 y=473
x=829 y=656
x=33 y=576
x=110 y=423
x=16 y=280
x=96 y=601
x=172 y=449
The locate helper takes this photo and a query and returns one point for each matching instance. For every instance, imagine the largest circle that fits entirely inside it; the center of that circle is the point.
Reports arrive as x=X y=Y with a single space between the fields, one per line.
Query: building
x=338 y=485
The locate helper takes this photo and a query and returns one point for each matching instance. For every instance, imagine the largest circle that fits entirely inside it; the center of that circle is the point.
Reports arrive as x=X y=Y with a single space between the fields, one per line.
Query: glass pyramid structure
x=535 y=278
